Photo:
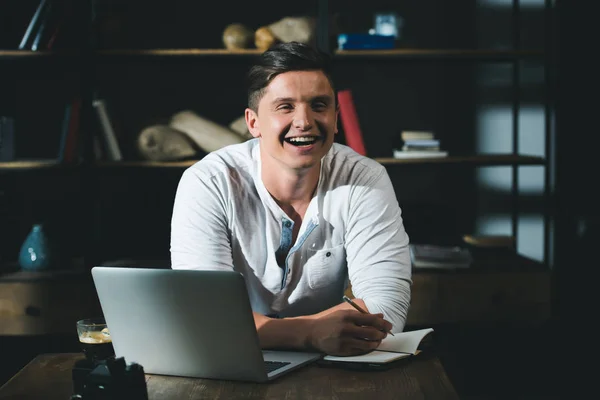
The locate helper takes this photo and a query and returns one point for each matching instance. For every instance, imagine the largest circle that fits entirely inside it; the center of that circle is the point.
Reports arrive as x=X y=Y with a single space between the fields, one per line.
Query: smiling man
x=298 y=215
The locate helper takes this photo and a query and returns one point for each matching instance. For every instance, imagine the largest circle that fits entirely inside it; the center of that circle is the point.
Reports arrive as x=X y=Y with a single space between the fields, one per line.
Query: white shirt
x=224 y=218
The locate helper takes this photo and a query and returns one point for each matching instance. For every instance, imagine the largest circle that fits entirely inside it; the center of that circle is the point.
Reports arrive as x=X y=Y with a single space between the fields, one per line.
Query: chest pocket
x=326 y=266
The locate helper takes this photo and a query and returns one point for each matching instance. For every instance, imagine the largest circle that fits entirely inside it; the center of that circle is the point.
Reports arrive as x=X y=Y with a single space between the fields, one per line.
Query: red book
x=70 y=154
x=349 y=118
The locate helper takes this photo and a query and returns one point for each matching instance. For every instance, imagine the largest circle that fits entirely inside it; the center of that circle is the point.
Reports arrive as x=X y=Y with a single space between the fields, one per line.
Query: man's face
x=296 y=119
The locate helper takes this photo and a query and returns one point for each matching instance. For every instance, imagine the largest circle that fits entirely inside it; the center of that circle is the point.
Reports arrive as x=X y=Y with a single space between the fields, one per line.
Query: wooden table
x=48 y=377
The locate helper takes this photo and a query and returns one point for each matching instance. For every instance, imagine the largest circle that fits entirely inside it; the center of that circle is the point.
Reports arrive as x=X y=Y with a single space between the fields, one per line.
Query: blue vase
x=35 y=250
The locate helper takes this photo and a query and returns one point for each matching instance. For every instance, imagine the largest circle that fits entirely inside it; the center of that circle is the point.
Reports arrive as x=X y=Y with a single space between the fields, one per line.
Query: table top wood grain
x=48 y=377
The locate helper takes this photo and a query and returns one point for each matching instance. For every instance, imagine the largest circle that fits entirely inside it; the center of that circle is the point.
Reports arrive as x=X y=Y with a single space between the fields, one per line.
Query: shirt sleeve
x=377 y=251
x=200 y=237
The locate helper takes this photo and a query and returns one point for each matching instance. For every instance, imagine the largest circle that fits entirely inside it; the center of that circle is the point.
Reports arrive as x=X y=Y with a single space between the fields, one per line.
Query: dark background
x=124 y=213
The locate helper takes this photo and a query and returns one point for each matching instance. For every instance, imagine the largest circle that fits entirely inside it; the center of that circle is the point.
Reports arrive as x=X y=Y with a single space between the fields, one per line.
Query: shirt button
x=287 y=224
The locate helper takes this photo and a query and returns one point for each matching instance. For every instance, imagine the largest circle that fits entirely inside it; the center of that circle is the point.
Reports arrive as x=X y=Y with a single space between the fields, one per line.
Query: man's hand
x=347 y=332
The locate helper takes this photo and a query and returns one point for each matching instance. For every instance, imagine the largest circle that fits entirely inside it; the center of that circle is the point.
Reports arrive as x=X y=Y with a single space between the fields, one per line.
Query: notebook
x=392 y=348
x=188 y=323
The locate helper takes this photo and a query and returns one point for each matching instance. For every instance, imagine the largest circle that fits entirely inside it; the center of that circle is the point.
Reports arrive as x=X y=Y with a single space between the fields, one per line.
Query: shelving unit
x=446 y=54
x=478 y=160
x=36 y=164
x=146 y=84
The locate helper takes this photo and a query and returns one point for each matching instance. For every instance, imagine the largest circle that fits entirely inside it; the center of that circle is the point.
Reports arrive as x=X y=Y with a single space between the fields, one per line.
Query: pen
x=358 y=308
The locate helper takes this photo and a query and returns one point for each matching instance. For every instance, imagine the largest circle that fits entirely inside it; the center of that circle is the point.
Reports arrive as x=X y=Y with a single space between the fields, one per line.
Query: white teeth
x=303 y=139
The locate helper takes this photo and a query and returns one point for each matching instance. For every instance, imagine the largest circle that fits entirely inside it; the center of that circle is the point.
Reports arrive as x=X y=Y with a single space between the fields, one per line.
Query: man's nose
x=303 y=119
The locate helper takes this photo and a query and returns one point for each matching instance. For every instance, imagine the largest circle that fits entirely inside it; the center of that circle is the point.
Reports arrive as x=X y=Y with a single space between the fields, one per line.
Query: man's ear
x=252 y=122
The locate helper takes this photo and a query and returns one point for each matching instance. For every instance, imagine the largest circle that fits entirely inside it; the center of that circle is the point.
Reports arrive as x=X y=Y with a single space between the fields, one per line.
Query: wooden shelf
x=440 y=53
x=179 y=52
x=144 y=164
x=25 y=53
x=387 y=53
x=483 y=297
x=492 y=159
x=476 y=160
x=444 y=53
x=48 y=302
x=133 y=52
x=33 y=164
x=501 y=286
x=401 y=53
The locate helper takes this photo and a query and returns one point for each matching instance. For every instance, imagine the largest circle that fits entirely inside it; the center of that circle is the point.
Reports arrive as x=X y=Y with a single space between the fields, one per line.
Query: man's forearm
x=285 y=333
x=294 y=332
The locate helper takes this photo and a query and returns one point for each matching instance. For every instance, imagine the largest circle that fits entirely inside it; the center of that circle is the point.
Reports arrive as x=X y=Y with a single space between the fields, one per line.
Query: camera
x=108 y=379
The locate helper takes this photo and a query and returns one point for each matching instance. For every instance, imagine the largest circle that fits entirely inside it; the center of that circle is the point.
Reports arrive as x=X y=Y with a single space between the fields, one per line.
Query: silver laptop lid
x=180 y=322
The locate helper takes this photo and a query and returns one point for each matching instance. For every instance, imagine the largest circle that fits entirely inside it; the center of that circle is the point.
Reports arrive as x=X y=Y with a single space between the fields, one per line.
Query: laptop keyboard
x=273 y=365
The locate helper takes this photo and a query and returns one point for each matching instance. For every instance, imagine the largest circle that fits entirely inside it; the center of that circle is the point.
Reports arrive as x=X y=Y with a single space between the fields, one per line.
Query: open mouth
x=302 y=141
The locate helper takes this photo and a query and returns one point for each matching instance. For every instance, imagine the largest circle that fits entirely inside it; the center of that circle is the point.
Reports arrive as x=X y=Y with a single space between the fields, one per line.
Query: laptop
x=188 y=323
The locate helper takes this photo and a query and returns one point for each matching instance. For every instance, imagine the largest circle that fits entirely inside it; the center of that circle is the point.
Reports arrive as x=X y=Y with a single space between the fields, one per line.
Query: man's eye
x=284 y=107
x=319 y=106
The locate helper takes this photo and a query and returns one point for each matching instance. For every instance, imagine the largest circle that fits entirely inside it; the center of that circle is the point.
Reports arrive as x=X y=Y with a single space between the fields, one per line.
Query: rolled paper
x=239 y=126
x=206 y=134
x=290 y=29
x=163 y=143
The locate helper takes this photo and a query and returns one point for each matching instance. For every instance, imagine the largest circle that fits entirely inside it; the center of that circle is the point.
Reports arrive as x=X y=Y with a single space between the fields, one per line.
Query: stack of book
x=439 y=256
x=419 y=144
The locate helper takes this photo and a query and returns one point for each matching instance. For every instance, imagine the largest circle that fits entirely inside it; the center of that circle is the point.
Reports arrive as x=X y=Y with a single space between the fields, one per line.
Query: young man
x=298 y=215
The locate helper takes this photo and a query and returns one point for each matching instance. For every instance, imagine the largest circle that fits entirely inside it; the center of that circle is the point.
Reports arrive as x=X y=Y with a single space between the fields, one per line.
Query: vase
x=35 y=251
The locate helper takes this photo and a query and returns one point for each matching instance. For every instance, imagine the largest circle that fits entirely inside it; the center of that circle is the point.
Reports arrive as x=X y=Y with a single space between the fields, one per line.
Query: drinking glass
x=94 y=338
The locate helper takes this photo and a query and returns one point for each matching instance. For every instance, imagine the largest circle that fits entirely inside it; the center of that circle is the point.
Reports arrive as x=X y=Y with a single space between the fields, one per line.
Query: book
x=439 y=256
x=420 y=148
x=419 y=153
x=392 y=348
x=42 y=29
x=421 y=143
x=70 y=145
x=349 y=119
x=64 y=133
x=33 y=25
x=359 y=41
x=417 y=135
x=108 y=134
x=490 y=241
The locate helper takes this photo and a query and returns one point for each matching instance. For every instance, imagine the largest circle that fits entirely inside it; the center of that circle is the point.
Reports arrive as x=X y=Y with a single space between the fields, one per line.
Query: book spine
x=32 y=24
x=72 y=132
x=65 y=131
x=110 y=138
x=349 y=119
x=37 y=41
x=422 y=143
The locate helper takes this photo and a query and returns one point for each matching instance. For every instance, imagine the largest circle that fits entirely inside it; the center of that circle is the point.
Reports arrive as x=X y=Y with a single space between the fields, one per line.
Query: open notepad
x=402 y=345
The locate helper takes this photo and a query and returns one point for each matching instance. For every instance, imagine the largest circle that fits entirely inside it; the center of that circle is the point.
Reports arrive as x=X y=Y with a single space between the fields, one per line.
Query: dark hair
x=284 y=57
